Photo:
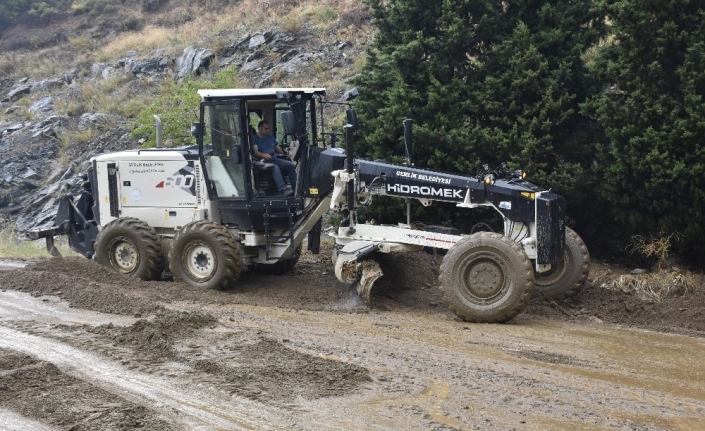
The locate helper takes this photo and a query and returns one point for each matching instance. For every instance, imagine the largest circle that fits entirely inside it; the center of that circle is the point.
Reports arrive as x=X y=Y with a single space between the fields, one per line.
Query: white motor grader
x=208 y=211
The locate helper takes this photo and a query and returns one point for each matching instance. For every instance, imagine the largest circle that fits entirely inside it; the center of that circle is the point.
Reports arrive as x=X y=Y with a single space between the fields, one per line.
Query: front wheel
x=131 y=247
x=486 y=277
x=567 y=277
x=205 y=255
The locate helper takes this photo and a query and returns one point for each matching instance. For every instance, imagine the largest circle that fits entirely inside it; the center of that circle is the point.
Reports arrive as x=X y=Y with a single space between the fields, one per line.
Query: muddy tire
x=334 y=254
x=486 y=277
x=131 y=247
x=205 y=255
x=568 y=276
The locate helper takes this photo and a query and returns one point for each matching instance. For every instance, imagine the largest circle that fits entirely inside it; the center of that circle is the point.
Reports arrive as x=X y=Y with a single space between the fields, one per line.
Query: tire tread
x=148 y=236
x=231 y=258
x=446 y=284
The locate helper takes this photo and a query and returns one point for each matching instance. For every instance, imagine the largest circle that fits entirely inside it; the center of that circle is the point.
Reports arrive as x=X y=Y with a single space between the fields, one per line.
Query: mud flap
x=353 y=267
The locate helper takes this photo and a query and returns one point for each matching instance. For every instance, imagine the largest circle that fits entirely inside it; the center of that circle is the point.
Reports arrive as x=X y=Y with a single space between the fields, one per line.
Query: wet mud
x=40 y=390
x=84 y=348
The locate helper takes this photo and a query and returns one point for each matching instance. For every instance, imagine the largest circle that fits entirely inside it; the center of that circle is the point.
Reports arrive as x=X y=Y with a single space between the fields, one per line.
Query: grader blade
x=370 y=273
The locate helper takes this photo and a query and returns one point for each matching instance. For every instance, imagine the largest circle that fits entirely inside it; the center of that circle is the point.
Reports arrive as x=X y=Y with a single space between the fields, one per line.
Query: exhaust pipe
x=407 y=144
x=407 y=139
x=158 y=122
x=349 y=149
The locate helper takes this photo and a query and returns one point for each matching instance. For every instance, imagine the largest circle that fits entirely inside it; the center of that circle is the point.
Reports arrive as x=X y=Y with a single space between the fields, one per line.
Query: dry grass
x=72 y=138
x=44 y=63
x=655 y=286
x=658 y=247
x=649 y=286
x=82 y=43
x=292 y=24
x=109 y=96
x=12 y=246
x=328 y=19
x=143 y=41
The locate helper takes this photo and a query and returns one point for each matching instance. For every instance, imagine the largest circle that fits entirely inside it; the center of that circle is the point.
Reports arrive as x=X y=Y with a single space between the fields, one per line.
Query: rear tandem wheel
x=486 y=277
x=568 y=276
x=130 y=246
x=205 y=255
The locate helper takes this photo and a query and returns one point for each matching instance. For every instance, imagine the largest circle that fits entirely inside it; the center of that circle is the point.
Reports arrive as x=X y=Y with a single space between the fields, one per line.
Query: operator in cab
x=266 y=147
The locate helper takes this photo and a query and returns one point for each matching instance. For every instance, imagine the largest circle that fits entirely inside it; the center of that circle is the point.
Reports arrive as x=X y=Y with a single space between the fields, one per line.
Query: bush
x=150 y=5
x=178 y=108
x=43 y=11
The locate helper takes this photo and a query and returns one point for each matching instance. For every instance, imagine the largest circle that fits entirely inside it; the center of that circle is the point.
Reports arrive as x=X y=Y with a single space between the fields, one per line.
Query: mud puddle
x=51 y=309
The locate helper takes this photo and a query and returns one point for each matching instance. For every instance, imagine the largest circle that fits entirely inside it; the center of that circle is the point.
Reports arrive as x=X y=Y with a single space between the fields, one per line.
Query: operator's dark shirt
x=265 y=145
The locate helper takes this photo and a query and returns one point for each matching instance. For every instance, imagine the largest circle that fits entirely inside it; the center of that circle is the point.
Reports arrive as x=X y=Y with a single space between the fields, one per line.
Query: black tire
x=496 y=296
x=205 y=255
x=131 y=247
x=567 y=277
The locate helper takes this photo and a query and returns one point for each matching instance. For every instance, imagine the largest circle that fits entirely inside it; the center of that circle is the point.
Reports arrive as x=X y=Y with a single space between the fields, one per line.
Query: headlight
x=489 y=179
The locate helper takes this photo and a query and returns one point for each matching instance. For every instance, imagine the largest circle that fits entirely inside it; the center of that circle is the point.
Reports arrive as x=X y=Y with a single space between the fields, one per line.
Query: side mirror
x=352 y=118
x=289 y=122
x=196 y=129
x=237 y=154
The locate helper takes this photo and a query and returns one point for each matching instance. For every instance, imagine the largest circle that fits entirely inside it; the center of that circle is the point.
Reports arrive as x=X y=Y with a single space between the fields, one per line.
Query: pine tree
x=653 y=114
x=485 y=82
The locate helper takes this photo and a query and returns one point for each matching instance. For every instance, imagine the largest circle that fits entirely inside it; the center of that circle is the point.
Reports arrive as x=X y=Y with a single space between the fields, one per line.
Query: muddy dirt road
x=82 y=348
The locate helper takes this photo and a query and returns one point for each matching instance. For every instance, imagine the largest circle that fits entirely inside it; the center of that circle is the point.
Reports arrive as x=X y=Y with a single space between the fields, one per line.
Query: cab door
x=223 y=150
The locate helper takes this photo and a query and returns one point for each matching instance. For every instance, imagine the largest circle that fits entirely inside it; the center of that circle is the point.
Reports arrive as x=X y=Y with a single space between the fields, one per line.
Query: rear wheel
x=131 y=247
x=486 y=277
x=205 y=255
x=567 y=277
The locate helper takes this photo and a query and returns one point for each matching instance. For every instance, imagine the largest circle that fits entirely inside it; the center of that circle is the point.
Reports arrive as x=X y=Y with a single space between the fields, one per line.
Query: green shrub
x=178 y=108
x=150 y=5
x=326 y=14
x=43 y=11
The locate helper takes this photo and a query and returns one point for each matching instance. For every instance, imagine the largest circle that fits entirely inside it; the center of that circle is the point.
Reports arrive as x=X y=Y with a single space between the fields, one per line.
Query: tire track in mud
x=186 y=406
x=532 y=375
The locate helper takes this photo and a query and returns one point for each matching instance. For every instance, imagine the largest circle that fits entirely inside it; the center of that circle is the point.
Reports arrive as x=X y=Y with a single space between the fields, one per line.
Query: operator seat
x=264 y=177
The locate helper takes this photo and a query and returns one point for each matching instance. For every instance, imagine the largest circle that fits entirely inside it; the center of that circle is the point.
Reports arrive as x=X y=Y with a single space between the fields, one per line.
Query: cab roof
x=258 y=93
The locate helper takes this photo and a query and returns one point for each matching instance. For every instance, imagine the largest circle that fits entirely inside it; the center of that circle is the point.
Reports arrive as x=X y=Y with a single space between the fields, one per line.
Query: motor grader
x=207 y=212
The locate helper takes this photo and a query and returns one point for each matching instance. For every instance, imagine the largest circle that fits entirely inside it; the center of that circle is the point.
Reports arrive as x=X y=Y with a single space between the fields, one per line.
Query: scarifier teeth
x=370 y=273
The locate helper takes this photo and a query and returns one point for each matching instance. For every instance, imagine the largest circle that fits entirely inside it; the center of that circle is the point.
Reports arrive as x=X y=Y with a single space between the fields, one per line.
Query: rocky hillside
x=74 y=86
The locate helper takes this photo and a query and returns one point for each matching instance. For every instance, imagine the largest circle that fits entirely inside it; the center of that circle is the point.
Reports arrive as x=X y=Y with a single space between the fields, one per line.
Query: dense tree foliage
x=485 y=82
x=616 y=122
x=653 y=114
